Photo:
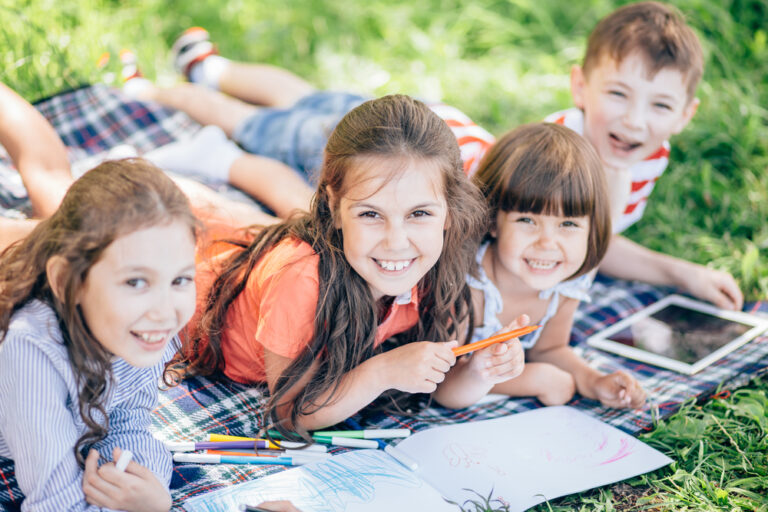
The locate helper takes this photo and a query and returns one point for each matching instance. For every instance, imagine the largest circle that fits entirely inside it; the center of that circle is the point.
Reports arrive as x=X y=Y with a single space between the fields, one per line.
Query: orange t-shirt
x=276 y=309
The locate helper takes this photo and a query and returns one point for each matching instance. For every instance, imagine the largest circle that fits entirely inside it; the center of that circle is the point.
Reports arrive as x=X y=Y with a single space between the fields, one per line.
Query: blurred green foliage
x=504 y=62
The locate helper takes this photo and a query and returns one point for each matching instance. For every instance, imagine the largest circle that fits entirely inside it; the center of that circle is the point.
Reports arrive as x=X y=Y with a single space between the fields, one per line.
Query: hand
x=135 y=490
x=501 y=361
x=712 y=285
x=279 y=506
x=417 y=367
x=619 y=390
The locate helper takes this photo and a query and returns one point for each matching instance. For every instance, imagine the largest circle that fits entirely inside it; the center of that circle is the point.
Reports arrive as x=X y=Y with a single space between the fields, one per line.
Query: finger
x=278 y=506
x=97 y=497
x=92 y=461
x=731 y=290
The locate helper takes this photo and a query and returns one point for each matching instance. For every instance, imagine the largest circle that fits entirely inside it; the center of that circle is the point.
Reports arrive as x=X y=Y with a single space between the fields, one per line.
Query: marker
x=505 y=336
x=381 y=433
x=205 y=458
x=283 y=453
x=124 y=460
x=347 y=442
x=223 y=445
x=271 y=446
x=401 y=457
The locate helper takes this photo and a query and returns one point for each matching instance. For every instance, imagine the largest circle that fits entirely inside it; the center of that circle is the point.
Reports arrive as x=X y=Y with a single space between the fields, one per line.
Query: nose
x=634 y=115
x=397 y=236
x=163 y=307
x=546 y=238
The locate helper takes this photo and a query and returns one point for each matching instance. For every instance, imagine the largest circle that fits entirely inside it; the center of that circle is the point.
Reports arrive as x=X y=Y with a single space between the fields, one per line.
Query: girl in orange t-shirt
x=306 y=304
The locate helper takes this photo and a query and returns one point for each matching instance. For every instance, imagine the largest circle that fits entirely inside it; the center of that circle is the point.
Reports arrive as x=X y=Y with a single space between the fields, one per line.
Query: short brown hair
x=549 y=169
x=657 y=31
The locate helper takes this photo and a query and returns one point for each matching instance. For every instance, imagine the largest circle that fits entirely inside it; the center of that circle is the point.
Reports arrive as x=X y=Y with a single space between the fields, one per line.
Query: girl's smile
x=393 y=223
x=141 y=292
x=539 y=250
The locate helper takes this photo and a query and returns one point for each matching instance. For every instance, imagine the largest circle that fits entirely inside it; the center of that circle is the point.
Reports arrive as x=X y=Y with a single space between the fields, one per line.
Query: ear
x=56 y=269
x=688 y=112
x=493 y=229
x=333 y=206
x=578 y=82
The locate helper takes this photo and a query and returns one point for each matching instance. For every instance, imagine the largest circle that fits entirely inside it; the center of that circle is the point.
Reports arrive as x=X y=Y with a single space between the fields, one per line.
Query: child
x=91 y=301
x=635 y=89
x=306 y=305
x=270 y=111
x=551 y=226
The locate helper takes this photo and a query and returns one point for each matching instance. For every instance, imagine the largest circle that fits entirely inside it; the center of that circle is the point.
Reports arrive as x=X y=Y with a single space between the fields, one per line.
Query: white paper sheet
x=519 y=460
x=528 y=457
x=360 y=481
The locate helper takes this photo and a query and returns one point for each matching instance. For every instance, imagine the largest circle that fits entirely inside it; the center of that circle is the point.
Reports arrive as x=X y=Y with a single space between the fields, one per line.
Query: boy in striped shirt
x=635 y=89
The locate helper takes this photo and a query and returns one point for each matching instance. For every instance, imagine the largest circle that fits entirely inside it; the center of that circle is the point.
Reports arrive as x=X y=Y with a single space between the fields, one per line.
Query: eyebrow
x=433 y=204
x=662 y=95
x=188 y=268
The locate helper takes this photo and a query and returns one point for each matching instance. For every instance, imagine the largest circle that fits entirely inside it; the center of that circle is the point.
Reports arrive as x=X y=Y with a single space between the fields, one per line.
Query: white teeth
x=393 y=265
x=541 y=264
x=151 y=338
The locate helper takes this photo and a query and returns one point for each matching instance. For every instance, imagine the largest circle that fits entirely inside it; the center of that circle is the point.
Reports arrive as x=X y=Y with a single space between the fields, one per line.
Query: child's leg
x=196 y=58
x=210 y=154
x=262 y=84
x=273 y=183
x=546 y=382
x=203 y=105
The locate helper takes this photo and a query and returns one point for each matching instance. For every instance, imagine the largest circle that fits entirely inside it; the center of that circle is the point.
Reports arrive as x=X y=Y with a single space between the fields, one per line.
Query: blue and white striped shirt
x=40 y=421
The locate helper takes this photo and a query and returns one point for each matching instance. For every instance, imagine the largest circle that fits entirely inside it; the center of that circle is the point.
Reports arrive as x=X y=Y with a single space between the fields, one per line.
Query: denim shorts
x=296 y=135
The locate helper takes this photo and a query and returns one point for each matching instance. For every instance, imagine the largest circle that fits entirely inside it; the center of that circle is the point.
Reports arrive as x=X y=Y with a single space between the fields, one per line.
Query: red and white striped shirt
x=644 y=174
x=473 y=140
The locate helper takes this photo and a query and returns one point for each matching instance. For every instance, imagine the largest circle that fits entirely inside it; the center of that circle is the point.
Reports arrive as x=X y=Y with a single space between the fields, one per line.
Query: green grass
x=503 y=62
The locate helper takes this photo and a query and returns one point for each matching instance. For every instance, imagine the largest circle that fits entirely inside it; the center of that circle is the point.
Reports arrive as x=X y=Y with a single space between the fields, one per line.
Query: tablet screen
x=680 y=333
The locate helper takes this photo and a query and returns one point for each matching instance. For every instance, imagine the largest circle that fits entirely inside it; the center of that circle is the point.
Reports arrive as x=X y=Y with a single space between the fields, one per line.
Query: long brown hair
x=550 y=169
x=346 y=317
x=114 y=199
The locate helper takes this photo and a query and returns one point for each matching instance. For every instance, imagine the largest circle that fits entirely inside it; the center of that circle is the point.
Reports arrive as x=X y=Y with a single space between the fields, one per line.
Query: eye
x=370 y=214
x=617 y=93
x=663 y=106
x=182 y=281
x=137 y=283
x=421 y=213
x=524 y=220
x=570 y=224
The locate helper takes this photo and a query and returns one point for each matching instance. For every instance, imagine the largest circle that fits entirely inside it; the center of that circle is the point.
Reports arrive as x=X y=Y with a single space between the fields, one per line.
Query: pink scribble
x=624 y=450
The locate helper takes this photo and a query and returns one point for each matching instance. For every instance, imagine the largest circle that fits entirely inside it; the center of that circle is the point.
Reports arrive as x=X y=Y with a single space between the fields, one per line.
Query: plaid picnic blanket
x=93 y=119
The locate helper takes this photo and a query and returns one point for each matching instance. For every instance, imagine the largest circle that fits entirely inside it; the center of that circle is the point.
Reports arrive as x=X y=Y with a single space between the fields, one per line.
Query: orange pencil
x=471 y=347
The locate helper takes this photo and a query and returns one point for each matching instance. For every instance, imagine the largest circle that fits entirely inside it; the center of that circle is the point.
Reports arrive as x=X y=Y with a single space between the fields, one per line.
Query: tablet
x=680 y=334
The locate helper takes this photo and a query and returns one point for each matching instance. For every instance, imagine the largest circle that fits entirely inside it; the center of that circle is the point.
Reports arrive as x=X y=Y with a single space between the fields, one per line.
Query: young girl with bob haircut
x=551 y=225
x=91 y=301
x=382 y=255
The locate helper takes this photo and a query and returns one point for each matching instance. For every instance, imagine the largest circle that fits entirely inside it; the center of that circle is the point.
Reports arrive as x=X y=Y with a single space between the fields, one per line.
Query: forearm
x=628 y=260
x=358 y=388
x=461 y=387
x=567 y=360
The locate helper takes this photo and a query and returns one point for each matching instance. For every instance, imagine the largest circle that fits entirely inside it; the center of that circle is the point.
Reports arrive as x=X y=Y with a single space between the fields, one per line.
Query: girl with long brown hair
x=91 y=303
x=307 y=305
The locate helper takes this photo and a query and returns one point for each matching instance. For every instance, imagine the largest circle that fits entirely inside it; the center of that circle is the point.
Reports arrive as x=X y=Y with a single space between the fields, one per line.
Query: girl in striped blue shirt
x=91 y=301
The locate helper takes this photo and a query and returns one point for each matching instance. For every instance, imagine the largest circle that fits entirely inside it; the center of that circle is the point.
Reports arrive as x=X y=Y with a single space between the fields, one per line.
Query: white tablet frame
x=602 y=339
